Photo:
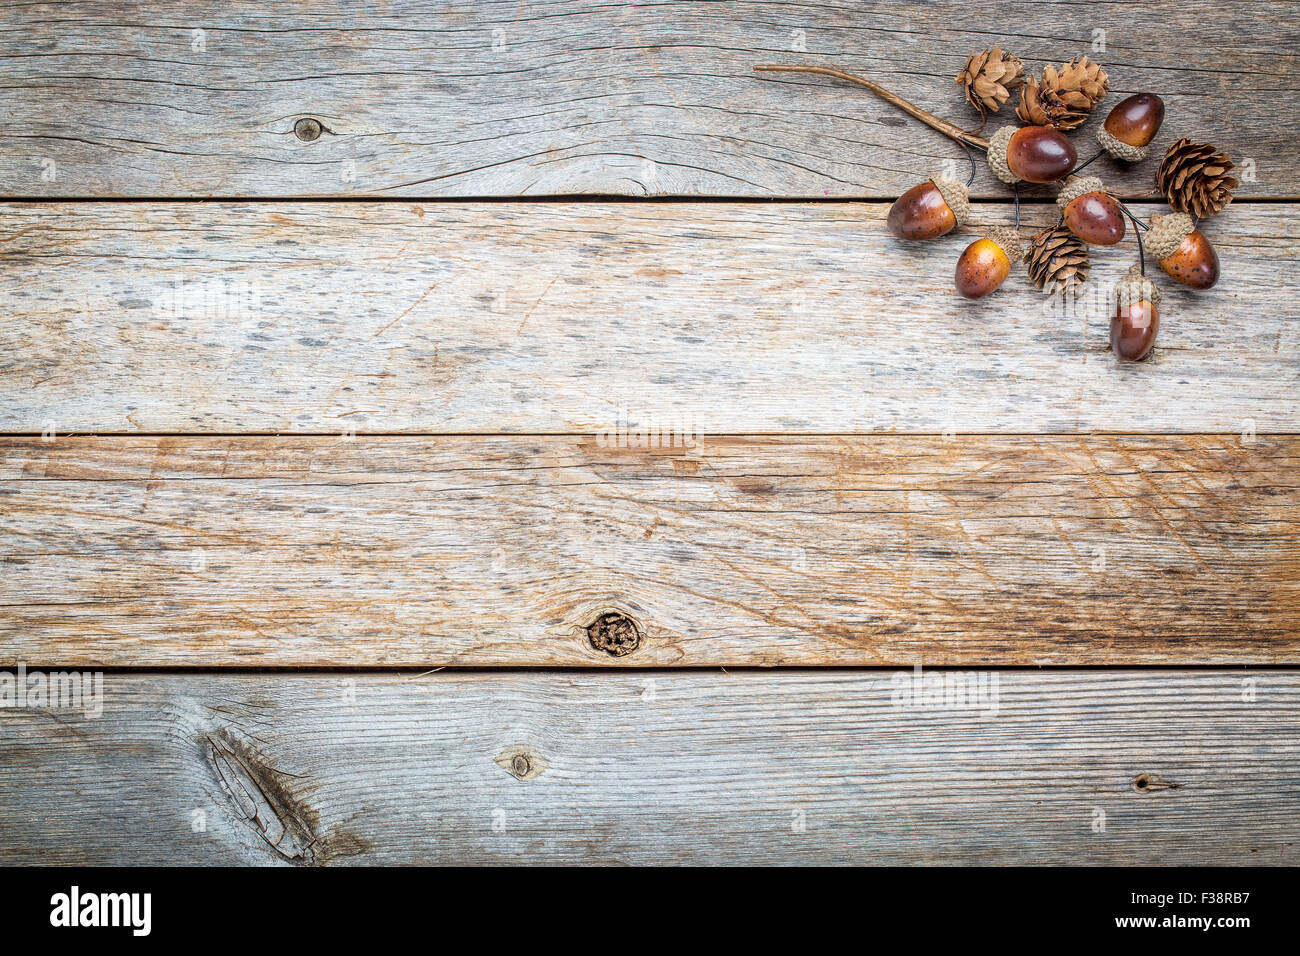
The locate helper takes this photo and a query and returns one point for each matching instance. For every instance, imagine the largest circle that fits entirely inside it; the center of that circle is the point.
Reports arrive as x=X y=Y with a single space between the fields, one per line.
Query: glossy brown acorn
x=1194 y=262
x=1133 y=330
x=1095 y=218
x=987 y=262
x=1040 y=154
x=1136 y=321
x=1182 y=251
x=1136 y=120
x=921 y=213
x=982 y=268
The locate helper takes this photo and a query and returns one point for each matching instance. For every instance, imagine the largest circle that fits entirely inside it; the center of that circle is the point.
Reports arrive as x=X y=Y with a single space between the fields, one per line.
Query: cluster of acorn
x=1193 y=178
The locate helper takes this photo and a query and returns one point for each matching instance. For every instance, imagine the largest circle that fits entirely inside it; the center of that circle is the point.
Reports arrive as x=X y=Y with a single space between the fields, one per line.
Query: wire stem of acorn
x=1100 y=154
x=973 y=166
x=929 y=119
x=1136 y=221
x=1137 y=234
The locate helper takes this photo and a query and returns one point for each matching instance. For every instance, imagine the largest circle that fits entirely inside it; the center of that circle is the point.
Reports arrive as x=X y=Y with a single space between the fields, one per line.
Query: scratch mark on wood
x=407 y=312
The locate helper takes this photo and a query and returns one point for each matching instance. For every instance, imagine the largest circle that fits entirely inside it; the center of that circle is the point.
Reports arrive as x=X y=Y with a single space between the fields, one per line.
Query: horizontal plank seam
x=705 y=436
x=415 y=671
x=602 y=198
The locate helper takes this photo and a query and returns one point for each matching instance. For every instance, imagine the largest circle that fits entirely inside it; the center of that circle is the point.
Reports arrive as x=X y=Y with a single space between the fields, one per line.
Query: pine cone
x=1063 y=98
x=1194 y=179
x=1057 y=261
x=989 y=78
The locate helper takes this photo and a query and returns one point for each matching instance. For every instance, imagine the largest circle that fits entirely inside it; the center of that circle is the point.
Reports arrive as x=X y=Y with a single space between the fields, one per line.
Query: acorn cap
x=1135 y=287
x=1009 y=241
x=1120 y=149
x=955 y=194
x=1167 y=233
x=1077 y=186
x=998 y=155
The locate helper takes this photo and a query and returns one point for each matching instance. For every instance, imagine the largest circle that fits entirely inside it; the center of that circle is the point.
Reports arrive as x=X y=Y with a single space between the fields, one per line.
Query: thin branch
x=929 y=119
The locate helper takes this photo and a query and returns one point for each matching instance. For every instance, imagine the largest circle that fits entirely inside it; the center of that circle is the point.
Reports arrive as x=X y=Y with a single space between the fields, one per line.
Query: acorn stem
x=929 y=119
x=1100 y=154
x=1136 y=221
x=1137 y=234
x=973 y=167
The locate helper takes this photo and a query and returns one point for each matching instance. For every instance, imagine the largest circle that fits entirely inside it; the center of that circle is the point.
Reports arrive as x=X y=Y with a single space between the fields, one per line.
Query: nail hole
x=307 y=129
x=614 y=633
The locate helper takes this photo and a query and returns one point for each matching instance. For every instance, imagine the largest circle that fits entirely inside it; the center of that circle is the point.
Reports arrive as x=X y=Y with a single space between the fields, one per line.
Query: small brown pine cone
x=1031 y=109
x=1194 y=178
x=989 y=79
x=1057 y=261
x=1064 y=97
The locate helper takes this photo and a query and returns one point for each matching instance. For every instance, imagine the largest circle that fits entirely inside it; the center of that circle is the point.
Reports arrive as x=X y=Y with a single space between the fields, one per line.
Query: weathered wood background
x=525 y=98
x=577 y=318
x=1154 y=768
x=384 y=408
x=742 y=551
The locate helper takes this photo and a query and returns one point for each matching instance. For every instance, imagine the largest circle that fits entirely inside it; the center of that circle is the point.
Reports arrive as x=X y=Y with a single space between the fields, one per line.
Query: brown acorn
x=987 y=262
x=1035 y=154
x=1131 y=126
x=1182 y=250
x=1090 y=212
x=930 y=209
x=1136 y=321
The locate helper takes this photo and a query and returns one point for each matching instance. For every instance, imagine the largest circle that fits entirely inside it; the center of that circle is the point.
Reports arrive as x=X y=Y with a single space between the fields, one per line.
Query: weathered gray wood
x=508 y=99
x=734 y=318
x=658 y=768
x=760 y=551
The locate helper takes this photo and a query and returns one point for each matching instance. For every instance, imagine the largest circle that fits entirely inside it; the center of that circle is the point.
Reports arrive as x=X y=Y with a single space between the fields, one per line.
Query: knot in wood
x=307 y=129
x=521 y=762
x=614 y=633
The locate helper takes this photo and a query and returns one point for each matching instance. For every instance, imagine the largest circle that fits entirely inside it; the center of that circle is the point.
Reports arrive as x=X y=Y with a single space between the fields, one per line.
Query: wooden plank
x=245 y=551
x=734 y=318
x=792 y=767
x=482 y=98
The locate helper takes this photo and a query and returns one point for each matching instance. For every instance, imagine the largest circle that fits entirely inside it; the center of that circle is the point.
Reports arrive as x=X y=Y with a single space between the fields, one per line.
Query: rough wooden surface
x=791 y=767
x=523 y=99
x=729 y=318
x=762 y=551
x=1171 y=540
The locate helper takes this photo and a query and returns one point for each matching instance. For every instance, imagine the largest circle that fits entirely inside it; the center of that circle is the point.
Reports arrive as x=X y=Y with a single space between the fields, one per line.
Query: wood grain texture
x=658 y=768
x=486 y=98
x=734 y=318
x=743 y=551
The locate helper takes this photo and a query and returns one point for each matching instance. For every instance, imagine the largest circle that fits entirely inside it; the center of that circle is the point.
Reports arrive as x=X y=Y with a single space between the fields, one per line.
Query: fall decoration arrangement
x=1193 y=177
